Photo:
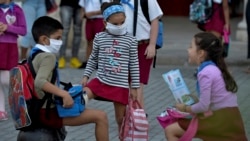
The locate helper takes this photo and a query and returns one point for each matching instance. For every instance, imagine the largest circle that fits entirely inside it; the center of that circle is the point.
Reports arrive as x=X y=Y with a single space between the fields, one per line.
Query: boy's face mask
x=116 y=29
x=54 y=46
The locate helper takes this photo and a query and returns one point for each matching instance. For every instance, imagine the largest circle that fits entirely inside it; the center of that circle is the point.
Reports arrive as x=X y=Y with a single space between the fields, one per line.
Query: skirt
x=217 y=21
x=8 y=56
x=107 y=92
x=224 y=125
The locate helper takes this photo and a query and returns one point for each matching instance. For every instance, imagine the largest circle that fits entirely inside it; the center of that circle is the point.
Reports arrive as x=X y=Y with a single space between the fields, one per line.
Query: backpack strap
x=135 y=16
x=48 y=96
x=144 y=7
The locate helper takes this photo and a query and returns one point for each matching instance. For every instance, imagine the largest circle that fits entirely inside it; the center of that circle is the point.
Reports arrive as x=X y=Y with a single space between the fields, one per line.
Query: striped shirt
x=116 y=58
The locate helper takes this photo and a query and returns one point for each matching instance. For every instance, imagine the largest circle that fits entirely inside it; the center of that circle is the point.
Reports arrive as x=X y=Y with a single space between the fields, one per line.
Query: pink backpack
x=135 y=124
x=171 y=115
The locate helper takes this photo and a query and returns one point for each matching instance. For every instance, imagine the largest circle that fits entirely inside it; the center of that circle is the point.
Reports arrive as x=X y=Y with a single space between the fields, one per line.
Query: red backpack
x=23 y=99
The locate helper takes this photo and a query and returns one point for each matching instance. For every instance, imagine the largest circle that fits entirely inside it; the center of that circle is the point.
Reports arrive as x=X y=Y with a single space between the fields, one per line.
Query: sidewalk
x=157 y=97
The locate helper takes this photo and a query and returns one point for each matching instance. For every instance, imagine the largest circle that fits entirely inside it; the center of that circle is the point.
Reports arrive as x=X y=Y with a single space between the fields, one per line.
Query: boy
x=146 y=34
x=47 y=33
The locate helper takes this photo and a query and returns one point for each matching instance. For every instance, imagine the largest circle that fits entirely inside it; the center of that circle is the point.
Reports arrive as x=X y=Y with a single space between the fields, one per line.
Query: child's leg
x=89 y=95
x=140 y=95
x=120 y=110
x=4 y=83
x=91 y=116
x=173 y=132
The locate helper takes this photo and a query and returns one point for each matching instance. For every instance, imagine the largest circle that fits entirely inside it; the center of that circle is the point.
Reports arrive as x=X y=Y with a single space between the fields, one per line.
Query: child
x=115 y=54
x=70 y=11
x=47 y=33
x=33 y=9
x=146 y=35
x=217 y=93
x=94 y=22
x=12 y=24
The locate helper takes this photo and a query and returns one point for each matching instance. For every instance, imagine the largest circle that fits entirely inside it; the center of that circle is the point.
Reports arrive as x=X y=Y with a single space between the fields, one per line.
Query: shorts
x=54 y=121
x=144 y=64
x=92 y=27
x=107 y=92
x=8 y=56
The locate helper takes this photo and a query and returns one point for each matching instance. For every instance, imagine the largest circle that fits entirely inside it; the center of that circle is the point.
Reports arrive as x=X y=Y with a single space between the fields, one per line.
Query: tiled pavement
x=157 y=97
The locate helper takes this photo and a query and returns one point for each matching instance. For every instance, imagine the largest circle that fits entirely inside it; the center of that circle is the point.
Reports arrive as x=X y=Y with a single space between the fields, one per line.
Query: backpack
x=135 y=125
x=23 y=99
x=159 y=41
x=201 y=11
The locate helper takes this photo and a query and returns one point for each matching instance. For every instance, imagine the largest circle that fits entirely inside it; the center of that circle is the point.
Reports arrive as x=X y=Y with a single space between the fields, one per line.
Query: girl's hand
x=150 y=51
x=67 y=100
x=133 y=94
x=181 y=107
x=227 y=27
x=84 y=81
x=3 y=27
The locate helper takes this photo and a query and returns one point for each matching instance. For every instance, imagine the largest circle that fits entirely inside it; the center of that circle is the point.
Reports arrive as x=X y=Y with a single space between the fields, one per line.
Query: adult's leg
x=173 y=132
x=119 y=113
x=66 y=13
x=77 y=32
x=91 y=116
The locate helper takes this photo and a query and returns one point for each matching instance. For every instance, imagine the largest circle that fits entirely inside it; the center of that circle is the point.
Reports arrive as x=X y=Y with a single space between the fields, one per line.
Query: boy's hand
x=84 y=81
x=150 y=51
x=133 y=94
x=67 y=100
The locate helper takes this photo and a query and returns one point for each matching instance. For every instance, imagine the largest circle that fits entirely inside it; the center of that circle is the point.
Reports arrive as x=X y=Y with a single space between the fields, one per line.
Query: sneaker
x=3 y=116
x=61 y=62
x=75 y=62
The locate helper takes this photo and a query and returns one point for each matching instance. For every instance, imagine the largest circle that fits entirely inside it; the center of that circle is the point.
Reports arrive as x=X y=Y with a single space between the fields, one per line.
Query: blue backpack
x=201 y=11
x=159 y=41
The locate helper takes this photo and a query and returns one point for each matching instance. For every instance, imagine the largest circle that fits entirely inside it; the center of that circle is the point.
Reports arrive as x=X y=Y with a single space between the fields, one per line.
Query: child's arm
x=93 y=13
x=134 y=65
x=19 y=27
x=226 y=14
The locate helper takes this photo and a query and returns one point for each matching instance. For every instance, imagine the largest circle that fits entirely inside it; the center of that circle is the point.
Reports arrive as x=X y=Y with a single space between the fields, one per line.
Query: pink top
x=16 y=24
x=213 y=93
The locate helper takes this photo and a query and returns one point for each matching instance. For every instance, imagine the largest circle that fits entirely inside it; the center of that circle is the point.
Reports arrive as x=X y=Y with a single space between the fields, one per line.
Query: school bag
x=135 y=125
x=200 y=11
x=23 y=100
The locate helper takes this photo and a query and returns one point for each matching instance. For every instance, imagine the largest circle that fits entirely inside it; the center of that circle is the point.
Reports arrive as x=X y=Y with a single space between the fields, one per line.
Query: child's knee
x=102 y=116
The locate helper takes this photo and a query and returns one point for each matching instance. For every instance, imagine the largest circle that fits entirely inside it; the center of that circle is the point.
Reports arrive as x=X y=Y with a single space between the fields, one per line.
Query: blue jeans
x=68 y=14
x=33 y=9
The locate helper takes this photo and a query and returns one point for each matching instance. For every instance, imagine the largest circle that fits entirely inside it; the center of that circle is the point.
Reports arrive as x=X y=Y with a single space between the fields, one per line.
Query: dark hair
x=213 y=46
x=106 y=5
x=45 y=25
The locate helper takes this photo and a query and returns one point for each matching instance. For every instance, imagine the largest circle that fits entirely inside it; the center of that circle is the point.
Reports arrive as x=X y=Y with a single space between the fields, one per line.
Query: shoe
x=3 y=116
x=75 y=62
x=61 y=62
x=83 y=65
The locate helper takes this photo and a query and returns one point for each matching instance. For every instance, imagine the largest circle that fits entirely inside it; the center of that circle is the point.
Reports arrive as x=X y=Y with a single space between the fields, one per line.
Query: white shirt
x=92 y=5
x=143 y=27
x=218 y=1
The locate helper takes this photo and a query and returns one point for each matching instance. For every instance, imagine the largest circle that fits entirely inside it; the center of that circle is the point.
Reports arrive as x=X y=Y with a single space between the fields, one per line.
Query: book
x=178 y=87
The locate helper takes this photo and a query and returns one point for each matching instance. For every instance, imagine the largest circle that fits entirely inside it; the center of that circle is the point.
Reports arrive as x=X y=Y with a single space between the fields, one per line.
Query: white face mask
x=54 y=46
x=116 y=29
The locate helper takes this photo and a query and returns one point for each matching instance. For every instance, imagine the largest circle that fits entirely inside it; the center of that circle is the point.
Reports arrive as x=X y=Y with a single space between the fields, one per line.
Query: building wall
x=175 y=7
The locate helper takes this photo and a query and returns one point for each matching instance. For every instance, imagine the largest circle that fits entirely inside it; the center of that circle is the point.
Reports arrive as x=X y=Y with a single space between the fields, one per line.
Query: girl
x=217 y=93
x=33 y=9
x=115 y=55
x=12 y=24
x=220 y=19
